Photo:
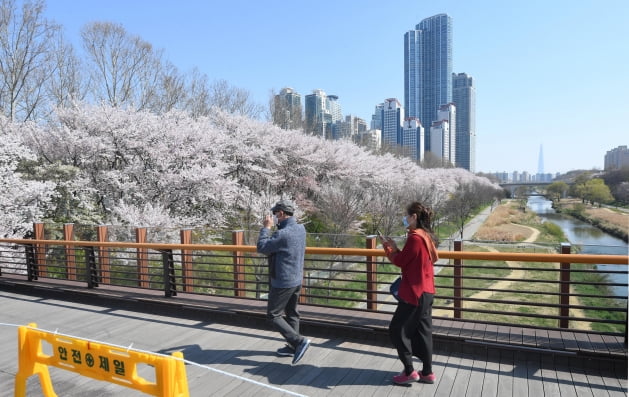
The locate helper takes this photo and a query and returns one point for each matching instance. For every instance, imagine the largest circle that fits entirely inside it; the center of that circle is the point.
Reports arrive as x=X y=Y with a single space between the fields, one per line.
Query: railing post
x=103 y=254
x=564 y=285
x=238 y=238
x=372 y=275
x=186 y=261
x=90 y=266
x=143 y=261
x=31 y=263
x=40 y=251
x=68 y=235
x=168 y=264
x=458 y=280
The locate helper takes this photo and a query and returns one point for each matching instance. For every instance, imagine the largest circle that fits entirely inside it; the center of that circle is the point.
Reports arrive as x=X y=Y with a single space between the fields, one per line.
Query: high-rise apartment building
x=440 y=140
x=287 y=112
x=348 y=128
x=317 y=114
x=448 y=112
x=428 y=69
x=376 y=118
x=464 y=98
x=334 y=108
x=392 y=118
x=413 y=138
x=371 y=139
x=617 y=158
x=322 y=112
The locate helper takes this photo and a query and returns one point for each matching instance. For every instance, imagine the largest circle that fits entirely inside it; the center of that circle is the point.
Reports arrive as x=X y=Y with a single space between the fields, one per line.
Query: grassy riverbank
x=614 y=222
x=510 y=223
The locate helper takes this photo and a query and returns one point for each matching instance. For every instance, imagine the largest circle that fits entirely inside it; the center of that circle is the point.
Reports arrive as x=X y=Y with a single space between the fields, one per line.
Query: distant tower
x=540 y=161
x=540 y=164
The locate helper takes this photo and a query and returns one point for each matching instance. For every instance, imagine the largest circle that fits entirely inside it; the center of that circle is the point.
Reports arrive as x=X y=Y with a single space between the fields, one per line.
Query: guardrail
x=544 y=290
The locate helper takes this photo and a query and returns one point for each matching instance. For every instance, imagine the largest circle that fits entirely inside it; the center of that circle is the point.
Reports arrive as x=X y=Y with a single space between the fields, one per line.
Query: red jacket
x=416 y=260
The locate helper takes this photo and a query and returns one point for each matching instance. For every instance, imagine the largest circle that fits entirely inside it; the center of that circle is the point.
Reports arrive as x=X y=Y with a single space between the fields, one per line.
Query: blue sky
x=549 y=73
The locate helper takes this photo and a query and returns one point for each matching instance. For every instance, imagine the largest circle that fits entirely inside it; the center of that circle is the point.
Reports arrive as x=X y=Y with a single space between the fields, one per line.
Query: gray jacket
x=285 y=249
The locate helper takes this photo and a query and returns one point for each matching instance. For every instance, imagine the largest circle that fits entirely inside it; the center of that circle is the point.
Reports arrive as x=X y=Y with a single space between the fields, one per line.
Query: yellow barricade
x=97 y=361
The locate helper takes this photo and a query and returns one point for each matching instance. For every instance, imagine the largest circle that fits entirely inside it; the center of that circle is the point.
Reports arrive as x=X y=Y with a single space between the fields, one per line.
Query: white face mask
x=405 y=222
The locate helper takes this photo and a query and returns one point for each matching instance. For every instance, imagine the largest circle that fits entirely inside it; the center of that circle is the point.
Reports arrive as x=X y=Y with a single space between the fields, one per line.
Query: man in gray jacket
x=285 y=249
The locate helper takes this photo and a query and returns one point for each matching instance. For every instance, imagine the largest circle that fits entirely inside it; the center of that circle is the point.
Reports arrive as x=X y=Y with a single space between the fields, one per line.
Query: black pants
x=411 y=333
x=283 y=301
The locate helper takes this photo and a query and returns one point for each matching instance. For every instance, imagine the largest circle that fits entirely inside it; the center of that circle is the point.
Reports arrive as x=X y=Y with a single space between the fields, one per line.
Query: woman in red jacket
x=411 y=326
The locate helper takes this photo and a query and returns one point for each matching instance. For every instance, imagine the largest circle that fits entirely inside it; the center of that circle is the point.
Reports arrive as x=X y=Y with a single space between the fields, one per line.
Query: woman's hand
x=390 y=243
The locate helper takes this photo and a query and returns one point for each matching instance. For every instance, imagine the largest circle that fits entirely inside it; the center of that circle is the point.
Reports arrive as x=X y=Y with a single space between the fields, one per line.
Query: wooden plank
x=534 y=378
x=583 y=342
x=569 y=341
x=598 y=344
x=466 y=330
x=463 y=375
x=505 y=376
x=555 y=340
x=447 y=377
x=551 y=387
x=491 y=333
x=579 y=380
x=479 y=331
x=528 y=337
x=503 y=334
x=515 y=336
x=564 y=381
x=520 y=382
x=541 y=338
x=614 y=344
x=477 y=378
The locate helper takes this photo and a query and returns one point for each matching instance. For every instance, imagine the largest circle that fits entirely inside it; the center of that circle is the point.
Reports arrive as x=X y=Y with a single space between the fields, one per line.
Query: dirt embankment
x=610 y=221
x=503 y=224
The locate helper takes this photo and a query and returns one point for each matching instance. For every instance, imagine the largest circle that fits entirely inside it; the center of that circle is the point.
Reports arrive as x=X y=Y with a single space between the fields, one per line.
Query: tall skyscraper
x=428 y=69
x=540 y=161
x=392 y=117
x=464 y=97
x=287 y=111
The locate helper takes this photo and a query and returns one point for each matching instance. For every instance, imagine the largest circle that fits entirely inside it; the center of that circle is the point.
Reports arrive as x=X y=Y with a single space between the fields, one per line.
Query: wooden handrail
x=500 y=256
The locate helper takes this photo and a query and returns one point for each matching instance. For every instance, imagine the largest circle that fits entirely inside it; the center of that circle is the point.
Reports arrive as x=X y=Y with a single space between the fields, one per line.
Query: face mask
x=405 y=222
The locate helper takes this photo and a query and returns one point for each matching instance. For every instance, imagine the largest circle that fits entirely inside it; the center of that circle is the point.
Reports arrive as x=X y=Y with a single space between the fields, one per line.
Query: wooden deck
x=231 y=349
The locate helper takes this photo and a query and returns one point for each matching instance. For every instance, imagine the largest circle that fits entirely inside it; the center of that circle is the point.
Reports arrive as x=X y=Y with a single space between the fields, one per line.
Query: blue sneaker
x=300 y=350
x=286 y=351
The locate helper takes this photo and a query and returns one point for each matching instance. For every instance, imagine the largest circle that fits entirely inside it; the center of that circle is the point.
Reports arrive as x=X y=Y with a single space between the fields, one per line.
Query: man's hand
x=268 y=221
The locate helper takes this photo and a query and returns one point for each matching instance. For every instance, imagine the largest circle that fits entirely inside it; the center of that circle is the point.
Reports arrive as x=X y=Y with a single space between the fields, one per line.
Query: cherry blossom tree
x=223 y=170
x=22 y=201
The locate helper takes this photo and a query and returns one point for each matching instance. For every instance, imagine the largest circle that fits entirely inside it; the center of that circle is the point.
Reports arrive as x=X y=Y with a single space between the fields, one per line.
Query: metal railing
x=560 y=290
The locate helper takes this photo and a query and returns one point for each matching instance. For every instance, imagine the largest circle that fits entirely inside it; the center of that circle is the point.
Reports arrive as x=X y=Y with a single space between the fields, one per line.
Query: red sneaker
x=430 y=378
x=403 y=379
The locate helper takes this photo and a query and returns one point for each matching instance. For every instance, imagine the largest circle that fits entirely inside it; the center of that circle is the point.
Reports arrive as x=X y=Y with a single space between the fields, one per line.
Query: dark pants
x=411 y=333
x=284 y=301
